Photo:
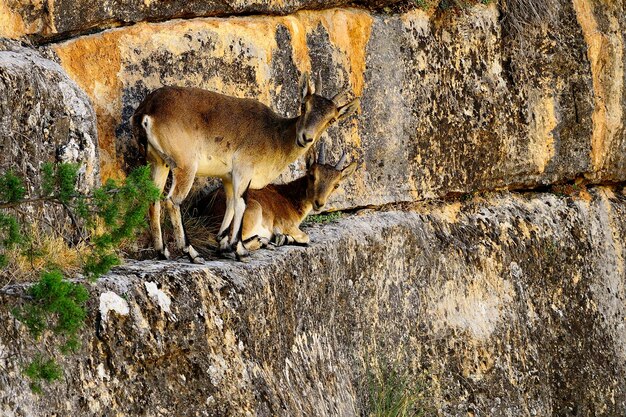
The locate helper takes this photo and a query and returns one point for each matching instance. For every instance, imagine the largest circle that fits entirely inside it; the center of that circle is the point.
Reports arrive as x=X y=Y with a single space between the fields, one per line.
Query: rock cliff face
x=451 y=102
x=513 y=304
x=44 y=117
x=56 y=19
x=510 y=304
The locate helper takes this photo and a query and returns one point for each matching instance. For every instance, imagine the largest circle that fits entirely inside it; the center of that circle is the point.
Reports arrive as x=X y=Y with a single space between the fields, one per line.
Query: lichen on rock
x=509 y=303
x=44 y=118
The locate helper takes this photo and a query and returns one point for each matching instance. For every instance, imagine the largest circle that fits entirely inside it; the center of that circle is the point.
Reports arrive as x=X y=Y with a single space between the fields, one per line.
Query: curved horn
x=305 y=85
x=318 y=85
x=321 y=155
x=340 y=97
x=342 y=161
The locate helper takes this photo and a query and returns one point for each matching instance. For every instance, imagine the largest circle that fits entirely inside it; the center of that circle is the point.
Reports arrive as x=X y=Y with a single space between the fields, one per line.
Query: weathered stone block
x=513 y=304
x=44 y=117
x=61 y=19
x=604 y=27
x=450 y=102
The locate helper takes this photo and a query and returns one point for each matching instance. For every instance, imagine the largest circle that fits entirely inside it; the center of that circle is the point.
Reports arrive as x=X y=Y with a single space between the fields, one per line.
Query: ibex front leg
x=222 y=235
x=240 y=186
x=182 y=180
x=292 y=237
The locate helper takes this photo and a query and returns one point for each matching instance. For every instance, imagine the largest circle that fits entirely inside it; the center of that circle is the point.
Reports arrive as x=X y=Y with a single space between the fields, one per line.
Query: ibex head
x=323 y=179
x=317 y=112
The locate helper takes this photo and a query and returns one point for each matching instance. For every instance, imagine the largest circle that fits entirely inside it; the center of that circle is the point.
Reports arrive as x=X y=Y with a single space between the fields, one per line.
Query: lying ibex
x=274 y=213
x=195 y=132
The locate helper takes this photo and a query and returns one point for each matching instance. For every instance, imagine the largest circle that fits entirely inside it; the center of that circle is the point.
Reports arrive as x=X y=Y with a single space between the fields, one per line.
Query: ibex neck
x=290 y=128
x=295 y=192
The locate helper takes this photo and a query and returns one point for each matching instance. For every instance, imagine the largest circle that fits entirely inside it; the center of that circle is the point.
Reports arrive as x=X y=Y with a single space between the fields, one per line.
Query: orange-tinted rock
x=603 y=25
x=60 y=19
x=451 y=103
x=257 y=57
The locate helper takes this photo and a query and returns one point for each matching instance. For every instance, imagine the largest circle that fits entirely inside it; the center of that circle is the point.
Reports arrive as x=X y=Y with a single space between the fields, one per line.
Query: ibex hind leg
x=155 y=231
x=182 y=180
x=253 y=243
x=160 y=172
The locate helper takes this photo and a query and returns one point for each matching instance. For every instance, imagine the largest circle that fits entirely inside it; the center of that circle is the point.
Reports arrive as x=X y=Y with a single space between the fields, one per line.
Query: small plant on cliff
x=461 y=4
x=423 y=4
x=102 y=219
x=42 y=370
x=323 y=218
x=395 y=393
x=55 y=304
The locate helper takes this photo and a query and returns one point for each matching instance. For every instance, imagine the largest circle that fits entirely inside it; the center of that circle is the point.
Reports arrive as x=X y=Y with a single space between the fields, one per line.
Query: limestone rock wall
x=44 y=117
x=451 y=101
x=52 y=20
x=513 y=304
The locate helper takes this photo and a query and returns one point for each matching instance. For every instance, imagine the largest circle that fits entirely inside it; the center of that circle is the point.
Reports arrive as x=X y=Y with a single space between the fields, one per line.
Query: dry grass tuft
x=43 y=252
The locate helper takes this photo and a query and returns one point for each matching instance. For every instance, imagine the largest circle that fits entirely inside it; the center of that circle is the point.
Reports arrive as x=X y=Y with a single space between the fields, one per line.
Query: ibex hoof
x=164 y=255
x=224 y=247
x=243 y=259
x=266 y=243
x=198 y=260
x=240 y=251
x=279 y=239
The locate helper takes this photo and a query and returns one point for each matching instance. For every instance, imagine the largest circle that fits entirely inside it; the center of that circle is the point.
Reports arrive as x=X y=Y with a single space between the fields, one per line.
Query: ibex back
x=194 y=132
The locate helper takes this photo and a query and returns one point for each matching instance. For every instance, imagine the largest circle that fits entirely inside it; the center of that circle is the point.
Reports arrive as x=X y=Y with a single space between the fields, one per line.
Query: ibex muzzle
x=195 y=132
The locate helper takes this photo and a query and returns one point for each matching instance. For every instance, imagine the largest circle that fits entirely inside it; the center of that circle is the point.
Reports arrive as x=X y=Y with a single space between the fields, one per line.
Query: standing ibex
x=275 y=212
x=195 y=132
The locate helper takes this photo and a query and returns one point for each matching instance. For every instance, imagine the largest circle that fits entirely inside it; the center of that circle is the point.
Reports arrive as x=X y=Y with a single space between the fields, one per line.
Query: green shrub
x=42 y=370
x=323 y=218
x=56 y=304
x=103 y=219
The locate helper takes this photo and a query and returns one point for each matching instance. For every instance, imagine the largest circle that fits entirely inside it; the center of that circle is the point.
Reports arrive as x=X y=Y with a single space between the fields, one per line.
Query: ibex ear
x=349 y=170
x=305 y=85
x=347 y=109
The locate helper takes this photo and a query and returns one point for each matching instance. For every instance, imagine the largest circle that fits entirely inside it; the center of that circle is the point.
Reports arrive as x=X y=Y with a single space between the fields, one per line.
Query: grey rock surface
x=512 y=303
x=61 y=19
x=44 y=117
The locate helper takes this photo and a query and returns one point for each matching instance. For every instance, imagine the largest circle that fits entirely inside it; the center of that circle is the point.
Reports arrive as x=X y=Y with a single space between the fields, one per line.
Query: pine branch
x=18 y=203
x=15 y=290
x=74 y=220
x=54 y=199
